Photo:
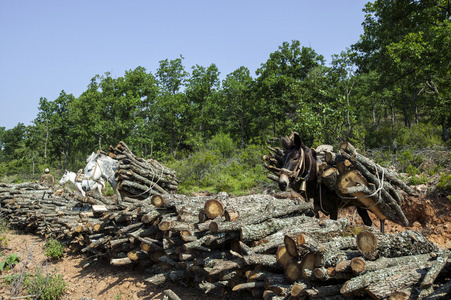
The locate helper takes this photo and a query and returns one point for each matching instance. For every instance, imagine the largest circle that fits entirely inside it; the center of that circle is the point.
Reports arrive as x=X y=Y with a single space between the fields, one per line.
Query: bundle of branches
x=377 y=188
x=140 y=178
x=355 y=178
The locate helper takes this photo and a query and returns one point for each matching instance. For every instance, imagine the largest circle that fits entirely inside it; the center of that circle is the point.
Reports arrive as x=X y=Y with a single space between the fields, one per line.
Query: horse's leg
x=329 y=202
x=333 y=213
x=382 y=226
x=365 y=217
x=78 y=186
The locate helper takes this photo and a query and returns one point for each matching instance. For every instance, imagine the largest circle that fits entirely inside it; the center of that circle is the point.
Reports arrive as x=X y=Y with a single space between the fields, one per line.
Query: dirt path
x=98 y=280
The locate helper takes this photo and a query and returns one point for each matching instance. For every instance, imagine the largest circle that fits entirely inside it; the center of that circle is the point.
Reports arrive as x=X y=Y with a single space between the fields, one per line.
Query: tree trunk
x=445 y=133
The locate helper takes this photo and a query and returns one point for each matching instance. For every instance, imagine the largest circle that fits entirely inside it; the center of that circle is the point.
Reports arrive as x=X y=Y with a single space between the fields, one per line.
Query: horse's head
x=291 y=159
x=65 y=178
x=92 y=172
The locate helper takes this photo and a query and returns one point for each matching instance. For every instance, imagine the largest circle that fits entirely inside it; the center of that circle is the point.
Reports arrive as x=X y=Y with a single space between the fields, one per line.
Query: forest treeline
x=398 y=72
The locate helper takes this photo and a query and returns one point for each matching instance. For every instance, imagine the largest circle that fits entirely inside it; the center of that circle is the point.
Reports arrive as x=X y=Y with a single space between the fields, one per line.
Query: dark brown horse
x=299 y=172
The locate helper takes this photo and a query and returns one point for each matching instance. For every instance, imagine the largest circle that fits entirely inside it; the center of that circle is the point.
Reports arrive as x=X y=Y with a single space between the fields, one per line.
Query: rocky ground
x=429 y=214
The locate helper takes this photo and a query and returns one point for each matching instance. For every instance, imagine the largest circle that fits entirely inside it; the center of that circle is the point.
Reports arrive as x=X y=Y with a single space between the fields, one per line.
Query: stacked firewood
x=140 y=178
x=355 y=178
x=251 y=245
x=37 y=209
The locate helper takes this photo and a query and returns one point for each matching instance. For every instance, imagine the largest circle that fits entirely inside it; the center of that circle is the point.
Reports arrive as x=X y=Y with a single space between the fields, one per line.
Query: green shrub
x=412 y=171
x=408 y=162
x=9 y=279
x=108 y=191
x=54 y=249
x=209 y=170
x=444 y=183
x=3 y=169
x=223 y=143
x=398 y=136
x=50 y=287
x=193 y=169
x=9 y=262
x=416 y=180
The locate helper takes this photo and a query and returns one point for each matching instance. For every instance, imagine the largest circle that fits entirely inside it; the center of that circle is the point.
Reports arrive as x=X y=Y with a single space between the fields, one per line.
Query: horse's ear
x=285 y=142
x=313 y=152
x=90 y=157
x=297 y=141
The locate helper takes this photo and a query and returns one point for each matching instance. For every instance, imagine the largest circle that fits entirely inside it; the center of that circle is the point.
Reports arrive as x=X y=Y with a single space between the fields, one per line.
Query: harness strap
x=91 y=178
x=295 y=173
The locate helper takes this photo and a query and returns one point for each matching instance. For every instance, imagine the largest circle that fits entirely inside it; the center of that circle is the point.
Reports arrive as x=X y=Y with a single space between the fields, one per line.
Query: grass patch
x=50 y=287
x=54 y=249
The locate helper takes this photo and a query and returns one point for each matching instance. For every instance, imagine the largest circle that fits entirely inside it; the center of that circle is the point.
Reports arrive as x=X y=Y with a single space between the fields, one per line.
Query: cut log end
x=157 y=200
x=293 y=271
x=358 y=265
x=307 y=264
x=231 y=215
x=213 y=208
x=366 y=243
x=165 y=225
x=282 y=256
x=297 y=289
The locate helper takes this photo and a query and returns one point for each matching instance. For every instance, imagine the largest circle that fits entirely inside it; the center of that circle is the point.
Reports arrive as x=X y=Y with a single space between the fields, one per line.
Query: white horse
x=71 y=176
x=98 y=166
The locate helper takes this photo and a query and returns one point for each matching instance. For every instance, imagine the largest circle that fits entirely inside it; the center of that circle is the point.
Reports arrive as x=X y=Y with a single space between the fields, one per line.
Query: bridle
x=91 y=178
x=66 y=179
x=295 y=176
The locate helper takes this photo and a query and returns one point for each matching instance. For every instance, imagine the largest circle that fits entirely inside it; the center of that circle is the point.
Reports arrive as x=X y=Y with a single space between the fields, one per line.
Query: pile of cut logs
x=139 y=178
x=245 y=246
x=355 y=178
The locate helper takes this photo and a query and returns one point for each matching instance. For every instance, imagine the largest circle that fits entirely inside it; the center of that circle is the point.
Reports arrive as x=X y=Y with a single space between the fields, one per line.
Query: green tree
x=202 y=93
x=87 y=116
x=43 y=122
x=143 y=86
x=172 y=104
x=279 y=83
x=238 y=112
x=12 y=143
x=408 y=43
x=61 y=138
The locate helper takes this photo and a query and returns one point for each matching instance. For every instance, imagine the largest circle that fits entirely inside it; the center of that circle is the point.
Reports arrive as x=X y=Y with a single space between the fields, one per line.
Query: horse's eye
x=295 y=158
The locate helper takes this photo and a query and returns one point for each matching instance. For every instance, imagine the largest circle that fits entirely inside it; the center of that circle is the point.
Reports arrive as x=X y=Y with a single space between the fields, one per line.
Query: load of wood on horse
x=322 y=175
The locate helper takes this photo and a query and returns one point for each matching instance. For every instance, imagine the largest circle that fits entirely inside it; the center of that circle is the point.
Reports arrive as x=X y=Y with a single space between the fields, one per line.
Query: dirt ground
x=97 y=280
x=431 y=215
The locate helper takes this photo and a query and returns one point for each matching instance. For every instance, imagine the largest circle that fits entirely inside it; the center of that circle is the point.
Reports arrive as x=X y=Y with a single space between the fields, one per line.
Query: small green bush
x=54 y=249
x=223 y=143
x=444 y=183
x=412 y=171
x=409 y=163
x=9 y=279
x=50 y=287
x=9 y=262
x=108 y=191
x=416 y=180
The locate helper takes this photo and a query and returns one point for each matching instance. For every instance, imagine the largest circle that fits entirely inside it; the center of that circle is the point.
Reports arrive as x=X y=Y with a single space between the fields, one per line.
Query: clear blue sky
x=49 y=46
